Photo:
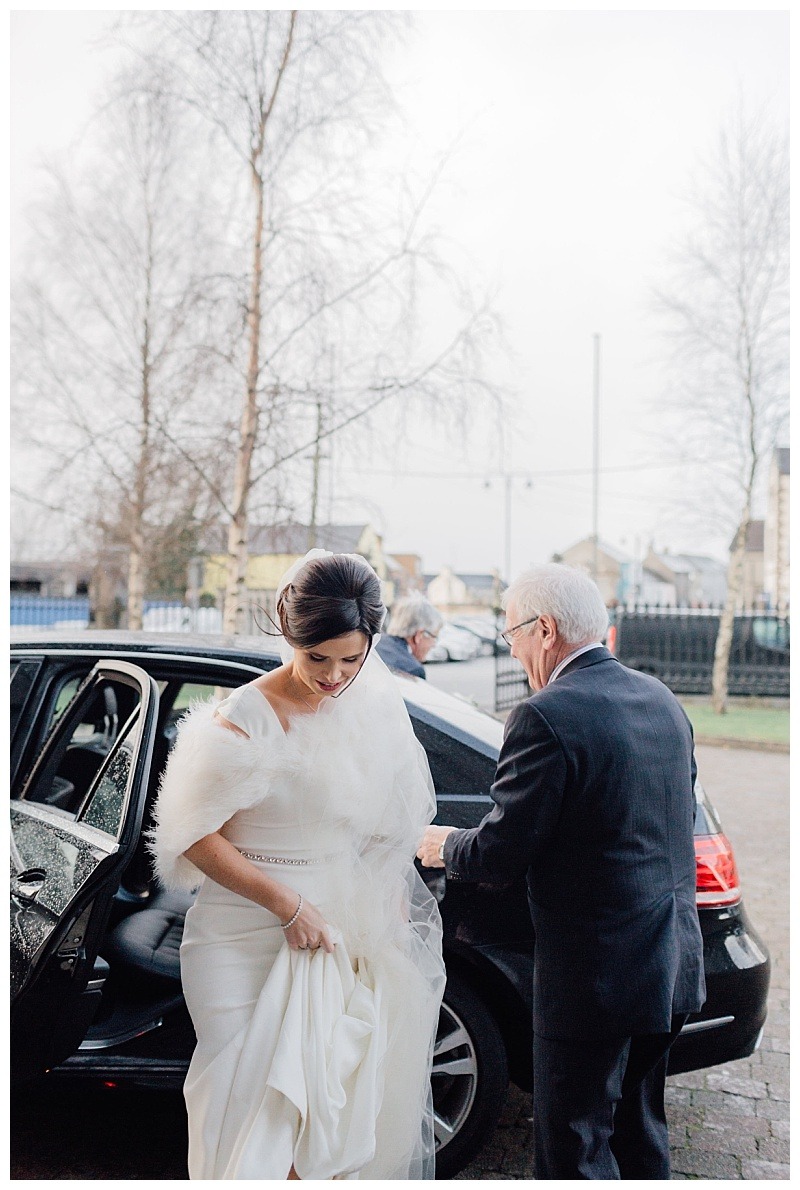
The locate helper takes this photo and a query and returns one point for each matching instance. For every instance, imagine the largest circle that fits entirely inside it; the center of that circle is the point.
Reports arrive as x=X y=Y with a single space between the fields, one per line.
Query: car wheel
x=469 y=1077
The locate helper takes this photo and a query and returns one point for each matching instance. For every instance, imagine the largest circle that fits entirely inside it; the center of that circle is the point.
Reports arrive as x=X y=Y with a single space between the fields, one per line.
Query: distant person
x=414 y=625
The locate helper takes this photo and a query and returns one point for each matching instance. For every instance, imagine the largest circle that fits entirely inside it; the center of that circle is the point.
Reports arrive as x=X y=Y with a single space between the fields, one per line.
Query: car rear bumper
x=731 y=1021
x=729 y=1025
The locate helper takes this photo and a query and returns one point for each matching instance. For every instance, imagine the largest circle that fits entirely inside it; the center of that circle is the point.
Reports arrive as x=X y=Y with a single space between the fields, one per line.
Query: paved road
x=471 y=679
x=727 y=1122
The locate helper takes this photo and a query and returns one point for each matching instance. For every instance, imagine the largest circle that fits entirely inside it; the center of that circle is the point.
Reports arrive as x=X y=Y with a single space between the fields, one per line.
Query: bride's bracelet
x=295 y=915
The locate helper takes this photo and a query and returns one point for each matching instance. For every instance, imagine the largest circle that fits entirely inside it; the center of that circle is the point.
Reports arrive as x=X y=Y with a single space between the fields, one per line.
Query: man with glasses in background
x=414 y=625
x=594 y=802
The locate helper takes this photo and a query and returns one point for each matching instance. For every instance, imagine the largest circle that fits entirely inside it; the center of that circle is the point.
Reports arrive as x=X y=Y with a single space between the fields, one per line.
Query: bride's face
x=328 y=667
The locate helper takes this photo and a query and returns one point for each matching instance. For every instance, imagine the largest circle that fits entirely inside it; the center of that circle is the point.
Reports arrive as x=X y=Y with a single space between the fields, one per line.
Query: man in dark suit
x=594 y=801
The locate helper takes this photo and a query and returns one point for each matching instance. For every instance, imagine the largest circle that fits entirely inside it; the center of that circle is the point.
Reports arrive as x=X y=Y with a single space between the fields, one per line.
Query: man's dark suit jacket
x=594 y=799
x=395 y=652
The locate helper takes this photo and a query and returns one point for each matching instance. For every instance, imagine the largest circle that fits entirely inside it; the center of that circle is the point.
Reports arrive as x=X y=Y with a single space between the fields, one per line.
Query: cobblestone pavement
x=728 y=1121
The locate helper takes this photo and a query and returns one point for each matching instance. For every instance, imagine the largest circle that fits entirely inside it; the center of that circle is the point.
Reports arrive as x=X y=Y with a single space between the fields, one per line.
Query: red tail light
x=717 y=877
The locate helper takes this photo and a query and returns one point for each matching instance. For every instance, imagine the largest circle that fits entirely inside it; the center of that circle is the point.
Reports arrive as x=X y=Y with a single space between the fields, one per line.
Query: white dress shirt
x=571 y=657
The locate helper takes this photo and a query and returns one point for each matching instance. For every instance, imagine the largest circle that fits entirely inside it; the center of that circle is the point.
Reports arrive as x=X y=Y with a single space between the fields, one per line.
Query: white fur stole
x=211 y=773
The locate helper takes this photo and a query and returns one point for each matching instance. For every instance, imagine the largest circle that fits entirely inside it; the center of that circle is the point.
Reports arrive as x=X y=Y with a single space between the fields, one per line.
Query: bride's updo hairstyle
x=331 y=597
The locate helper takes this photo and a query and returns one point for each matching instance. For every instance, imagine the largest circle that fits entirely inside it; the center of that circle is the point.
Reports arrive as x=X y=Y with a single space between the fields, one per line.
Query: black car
x=677 y=646
x=95 y=974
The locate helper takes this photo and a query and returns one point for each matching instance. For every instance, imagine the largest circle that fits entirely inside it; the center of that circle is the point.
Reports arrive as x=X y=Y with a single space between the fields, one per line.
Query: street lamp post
x=596 y=458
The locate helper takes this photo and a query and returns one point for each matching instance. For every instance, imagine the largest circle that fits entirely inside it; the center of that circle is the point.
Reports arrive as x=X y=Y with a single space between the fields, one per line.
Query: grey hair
x=566 y=594
x=413 y=614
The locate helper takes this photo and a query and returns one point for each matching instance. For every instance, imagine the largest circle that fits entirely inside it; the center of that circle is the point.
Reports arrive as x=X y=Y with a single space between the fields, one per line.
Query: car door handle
x=27 y=885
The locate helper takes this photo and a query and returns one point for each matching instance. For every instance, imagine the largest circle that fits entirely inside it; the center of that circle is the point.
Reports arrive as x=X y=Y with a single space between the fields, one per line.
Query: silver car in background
x=454 y=644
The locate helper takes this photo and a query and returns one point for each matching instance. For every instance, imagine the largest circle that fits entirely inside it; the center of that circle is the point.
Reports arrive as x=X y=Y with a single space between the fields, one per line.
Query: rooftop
x=611 y=551
x=292 y=538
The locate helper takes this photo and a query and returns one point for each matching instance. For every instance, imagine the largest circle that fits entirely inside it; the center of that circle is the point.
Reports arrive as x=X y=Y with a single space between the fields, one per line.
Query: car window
x=23 y=676
x=187 y=694
x=64 y=694
x=80 y=755
x=60 y=694
x=104 y=805
x=65 y=697
x=771 y=633
x=193 y=691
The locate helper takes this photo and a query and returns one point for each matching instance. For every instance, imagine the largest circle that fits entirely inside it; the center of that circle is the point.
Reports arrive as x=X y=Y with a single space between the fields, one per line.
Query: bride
x=311 y=958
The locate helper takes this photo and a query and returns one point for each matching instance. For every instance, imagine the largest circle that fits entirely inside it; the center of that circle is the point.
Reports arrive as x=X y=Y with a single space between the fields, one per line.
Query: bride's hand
x=309 y=931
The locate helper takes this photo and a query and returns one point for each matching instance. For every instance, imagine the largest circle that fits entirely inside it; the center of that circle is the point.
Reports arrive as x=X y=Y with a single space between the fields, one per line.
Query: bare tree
x=108 y=332
x=332 y=258
x=727 y=305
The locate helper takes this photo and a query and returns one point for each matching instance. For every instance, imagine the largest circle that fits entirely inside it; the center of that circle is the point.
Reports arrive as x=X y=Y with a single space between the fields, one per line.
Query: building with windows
x=697 y=580
x=751 y=593
x=611 y=568
x=465 y=594
x=405 y=572
x=59 y=580
x=272 y=549
x=660 y=579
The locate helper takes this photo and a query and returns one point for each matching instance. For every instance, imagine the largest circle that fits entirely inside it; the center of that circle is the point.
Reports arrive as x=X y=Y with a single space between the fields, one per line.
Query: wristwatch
x=441 y=850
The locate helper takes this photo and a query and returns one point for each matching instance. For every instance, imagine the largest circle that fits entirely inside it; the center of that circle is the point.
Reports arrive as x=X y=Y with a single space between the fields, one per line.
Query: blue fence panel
x=37 y=611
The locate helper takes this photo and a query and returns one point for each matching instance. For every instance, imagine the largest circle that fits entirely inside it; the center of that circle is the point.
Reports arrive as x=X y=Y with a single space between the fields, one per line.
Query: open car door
x=73 y=830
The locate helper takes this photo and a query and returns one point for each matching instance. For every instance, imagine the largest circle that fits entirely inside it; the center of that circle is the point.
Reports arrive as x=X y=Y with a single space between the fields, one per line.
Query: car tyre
x=469 y=1077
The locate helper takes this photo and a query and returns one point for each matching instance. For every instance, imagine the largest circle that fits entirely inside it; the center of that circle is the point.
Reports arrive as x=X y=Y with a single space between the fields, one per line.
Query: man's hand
x=431 y=842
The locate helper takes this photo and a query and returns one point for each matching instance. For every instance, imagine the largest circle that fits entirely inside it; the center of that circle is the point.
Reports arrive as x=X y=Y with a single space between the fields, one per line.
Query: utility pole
x=508 y=479
x=596 y=458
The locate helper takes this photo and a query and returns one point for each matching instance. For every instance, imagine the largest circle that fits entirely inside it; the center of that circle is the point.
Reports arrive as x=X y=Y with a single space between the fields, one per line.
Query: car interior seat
x=143 y=950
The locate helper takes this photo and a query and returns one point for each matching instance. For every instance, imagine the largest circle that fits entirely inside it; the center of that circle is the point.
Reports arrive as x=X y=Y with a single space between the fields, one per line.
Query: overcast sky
x=579 y=132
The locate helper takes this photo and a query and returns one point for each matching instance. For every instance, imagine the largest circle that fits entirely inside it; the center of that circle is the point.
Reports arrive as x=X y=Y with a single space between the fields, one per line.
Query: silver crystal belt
x=260 y=858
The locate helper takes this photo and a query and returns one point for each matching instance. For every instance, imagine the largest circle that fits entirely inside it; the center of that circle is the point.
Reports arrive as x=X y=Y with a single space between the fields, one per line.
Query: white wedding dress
x=310 y=1059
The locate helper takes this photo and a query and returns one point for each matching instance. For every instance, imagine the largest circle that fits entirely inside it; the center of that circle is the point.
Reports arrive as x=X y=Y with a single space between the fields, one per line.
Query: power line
x=493 y=474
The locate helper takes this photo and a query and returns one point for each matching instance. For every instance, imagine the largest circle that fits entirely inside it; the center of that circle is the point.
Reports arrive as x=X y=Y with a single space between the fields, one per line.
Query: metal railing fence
x=677 y=646
x=510 y=682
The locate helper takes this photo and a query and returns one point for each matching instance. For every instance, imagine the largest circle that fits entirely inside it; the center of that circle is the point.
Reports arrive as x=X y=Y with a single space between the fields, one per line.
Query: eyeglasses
x=508 y=635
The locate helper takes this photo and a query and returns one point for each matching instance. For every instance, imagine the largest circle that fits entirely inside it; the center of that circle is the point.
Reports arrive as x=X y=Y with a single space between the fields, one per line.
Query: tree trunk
x=312 y=520
x=722 y=648
x=235 y=591
x=137 y=577
x=136 y=581
x=103 y=596
x=137 y=570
